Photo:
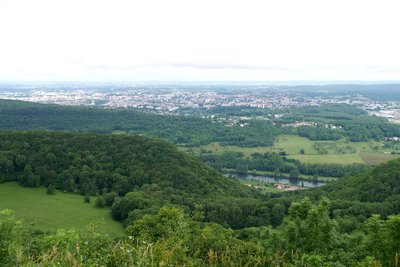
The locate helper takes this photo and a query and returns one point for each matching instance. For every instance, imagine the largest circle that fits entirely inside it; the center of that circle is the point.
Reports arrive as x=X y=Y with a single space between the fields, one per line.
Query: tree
x=278 y=211
x=294 y=173
x=86 y=198
x=308 y=227
x=100 y=202
x=51 y=190
x=28 y=178
x=241 y=168
x=302 y=151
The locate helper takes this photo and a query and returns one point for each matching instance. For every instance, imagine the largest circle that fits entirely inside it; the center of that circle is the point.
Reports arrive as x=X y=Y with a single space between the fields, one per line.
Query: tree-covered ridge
x=94 y=163
x=357 y=197
x=189 y=130
x=134 y=174
x=377 y=185
x=355 y=123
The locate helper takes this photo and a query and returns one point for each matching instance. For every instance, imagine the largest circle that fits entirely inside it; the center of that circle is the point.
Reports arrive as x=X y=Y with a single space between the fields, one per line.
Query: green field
x=322 y=159
x=292 y=144
x=51 y=212
x=218 y=149
x=354 y=152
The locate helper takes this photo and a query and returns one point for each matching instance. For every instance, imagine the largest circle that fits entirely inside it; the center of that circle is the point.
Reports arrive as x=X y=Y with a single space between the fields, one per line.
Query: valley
x=199 y=133
x=158 y=180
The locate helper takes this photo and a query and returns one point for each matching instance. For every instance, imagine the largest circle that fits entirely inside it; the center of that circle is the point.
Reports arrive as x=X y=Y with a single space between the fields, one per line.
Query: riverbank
x=285 y=184
x=302 y=177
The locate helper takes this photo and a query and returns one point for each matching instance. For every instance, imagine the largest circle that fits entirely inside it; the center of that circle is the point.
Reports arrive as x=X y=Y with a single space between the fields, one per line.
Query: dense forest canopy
x=189 y=130
x=355 y=124
x=134 y=174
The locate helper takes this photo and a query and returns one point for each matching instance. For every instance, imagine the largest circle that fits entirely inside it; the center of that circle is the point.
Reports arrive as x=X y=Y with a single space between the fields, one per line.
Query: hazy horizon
x=285 y=41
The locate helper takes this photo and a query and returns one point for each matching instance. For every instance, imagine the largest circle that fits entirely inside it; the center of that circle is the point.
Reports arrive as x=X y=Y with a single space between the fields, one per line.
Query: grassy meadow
x=340 y=151
x=50 y=212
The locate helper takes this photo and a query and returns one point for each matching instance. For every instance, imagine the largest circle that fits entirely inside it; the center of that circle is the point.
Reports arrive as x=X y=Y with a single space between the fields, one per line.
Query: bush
x=100 y=202
x=86 y=198
x=51 y=190
x=109 y=198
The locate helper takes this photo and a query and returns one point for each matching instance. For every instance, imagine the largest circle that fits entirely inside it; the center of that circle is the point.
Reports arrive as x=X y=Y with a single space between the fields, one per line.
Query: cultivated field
x=51 y=212
x=374 y=158
x=340 y=151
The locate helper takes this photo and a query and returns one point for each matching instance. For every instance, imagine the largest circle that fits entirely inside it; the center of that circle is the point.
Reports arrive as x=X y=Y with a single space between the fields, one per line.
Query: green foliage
x=51 y=190
x=294 y=174
x=151 y=173
x=28 y=178
x=9 y=235
x=179 y=212
x=308 y=227
x=308 y=237
x=355 y=123
x=319 y=133
x=86 y=198
x=109 y=198
x=273 y=162
x=100 y=202
x=189 y=130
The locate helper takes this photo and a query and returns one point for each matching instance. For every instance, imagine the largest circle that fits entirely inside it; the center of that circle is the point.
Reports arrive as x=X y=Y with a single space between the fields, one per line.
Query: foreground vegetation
x=307 y=237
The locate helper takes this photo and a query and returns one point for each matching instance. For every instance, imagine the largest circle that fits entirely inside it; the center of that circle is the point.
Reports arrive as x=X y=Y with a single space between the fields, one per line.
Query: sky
x=204 y=40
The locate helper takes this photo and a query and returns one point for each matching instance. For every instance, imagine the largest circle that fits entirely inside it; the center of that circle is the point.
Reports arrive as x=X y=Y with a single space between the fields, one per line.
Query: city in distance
x=238 y=160
x=199 y=133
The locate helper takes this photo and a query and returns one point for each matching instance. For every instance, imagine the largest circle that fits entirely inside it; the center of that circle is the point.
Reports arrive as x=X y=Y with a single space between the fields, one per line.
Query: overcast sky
x=204 y=40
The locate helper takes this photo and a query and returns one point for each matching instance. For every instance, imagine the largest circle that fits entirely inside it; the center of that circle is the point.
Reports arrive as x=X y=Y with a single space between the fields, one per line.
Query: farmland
x=339 y=152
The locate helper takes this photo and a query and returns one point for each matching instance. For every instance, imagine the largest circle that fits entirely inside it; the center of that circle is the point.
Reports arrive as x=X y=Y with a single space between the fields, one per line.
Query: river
x=292 y=182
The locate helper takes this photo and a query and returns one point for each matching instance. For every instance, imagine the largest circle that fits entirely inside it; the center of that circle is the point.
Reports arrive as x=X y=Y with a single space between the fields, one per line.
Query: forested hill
x=134 y=174
x=377 y=185
x=94 y=163
x=18 y=115
x=356 y=124
x=357 y=197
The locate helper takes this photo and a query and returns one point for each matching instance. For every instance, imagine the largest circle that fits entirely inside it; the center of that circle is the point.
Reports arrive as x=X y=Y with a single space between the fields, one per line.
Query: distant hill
x=189 y=130
x=375 y=191
x=377 y=185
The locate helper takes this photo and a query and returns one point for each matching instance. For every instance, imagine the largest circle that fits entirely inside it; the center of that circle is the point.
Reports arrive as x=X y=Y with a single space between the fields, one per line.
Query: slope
x=193 y=131
x=135 y=174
